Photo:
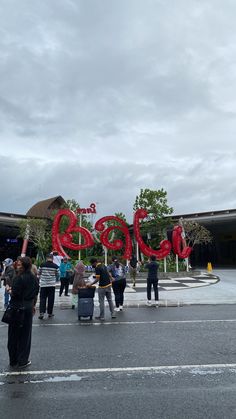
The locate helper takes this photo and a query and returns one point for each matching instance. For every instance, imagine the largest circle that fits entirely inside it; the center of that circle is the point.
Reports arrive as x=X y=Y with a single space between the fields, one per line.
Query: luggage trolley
x=85 y=302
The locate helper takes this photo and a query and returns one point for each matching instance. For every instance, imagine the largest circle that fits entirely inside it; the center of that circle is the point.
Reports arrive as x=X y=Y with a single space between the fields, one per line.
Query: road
x=154 y=363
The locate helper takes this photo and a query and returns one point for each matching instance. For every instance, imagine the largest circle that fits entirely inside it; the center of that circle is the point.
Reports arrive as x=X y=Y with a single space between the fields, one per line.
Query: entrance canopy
x=222 y=225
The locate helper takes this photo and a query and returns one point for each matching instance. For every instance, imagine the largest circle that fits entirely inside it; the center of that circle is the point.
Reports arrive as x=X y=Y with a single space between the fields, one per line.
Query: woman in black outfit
x=24 y=293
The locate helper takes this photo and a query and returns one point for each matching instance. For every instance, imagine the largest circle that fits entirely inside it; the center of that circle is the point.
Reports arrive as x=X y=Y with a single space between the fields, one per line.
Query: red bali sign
x=65 y=239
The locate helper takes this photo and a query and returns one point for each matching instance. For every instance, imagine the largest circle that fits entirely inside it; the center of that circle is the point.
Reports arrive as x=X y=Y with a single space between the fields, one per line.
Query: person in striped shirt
x=48 y=276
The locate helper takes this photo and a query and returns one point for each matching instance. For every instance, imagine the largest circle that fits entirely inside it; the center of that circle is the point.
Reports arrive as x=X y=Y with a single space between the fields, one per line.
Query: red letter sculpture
x=179 y=245
x=165 y=245
x=66 y=238
x=117 y=244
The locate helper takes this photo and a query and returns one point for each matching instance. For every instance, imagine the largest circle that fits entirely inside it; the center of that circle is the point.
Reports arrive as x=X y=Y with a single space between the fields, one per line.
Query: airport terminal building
x=10 y=243
x=222 y=225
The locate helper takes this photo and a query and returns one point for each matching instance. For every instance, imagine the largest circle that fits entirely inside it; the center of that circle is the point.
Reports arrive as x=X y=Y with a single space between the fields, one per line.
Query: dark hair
x=153 y=257
x=93 y=260
x=49 y=256
x=26 y=263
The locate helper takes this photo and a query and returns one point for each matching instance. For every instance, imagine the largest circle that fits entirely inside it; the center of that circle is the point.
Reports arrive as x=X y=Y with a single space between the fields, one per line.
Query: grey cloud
x=115 y=186
x=100 y=99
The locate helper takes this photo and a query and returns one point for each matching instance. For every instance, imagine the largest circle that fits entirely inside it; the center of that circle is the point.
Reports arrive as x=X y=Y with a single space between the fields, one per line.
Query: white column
x=187 y=265
x=105 y=252
x=137 y=251
x=80 y=224
x=165 y=265
x=177 y=263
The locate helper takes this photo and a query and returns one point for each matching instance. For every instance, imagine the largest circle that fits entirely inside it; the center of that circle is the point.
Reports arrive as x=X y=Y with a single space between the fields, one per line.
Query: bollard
x=209 y=267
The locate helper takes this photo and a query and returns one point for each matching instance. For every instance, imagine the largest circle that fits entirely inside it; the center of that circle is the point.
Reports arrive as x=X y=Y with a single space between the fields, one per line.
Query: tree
x=39 y=234
x=155 y=202
x=195 y=233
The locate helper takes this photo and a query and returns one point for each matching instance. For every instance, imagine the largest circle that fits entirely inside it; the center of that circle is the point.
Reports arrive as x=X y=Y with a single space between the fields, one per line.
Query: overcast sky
x=100 y=98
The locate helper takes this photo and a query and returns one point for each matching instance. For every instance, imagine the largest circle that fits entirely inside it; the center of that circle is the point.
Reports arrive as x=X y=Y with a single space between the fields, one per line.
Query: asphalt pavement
x=176 y=361
x=162 y=363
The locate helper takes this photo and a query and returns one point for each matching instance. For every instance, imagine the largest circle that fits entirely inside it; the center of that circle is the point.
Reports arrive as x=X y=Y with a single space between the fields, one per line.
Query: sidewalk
x=222 y=291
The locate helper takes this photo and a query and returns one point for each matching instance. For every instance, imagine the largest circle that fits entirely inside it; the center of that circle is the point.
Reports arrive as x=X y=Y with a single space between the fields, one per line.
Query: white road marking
x=193 y=369
x=100 y=323
x=124 y=323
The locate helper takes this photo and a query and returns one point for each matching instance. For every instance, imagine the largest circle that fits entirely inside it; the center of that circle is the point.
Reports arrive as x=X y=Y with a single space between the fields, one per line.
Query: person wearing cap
x=8 y=276
x=48 y=274
x=65 y=270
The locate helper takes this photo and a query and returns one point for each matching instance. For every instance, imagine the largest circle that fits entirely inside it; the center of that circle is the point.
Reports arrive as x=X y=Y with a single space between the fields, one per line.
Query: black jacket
x=25 y=290
x=152 y=270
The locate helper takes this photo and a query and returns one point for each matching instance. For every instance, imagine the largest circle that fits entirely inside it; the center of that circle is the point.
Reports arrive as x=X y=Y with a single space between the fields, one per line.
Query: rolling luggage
x=85 y=302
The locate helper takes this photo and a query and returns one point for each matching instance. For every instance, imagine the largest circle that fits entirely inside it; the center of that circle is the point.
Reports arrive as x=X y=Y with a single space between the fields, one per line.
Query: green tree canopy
x=155 y=202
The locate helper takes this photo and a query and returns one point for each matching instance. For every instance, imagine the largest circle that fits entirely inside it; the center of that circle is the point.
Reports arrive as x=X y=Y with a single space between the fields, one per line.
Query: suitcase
x=85 y=307
x=86 y=292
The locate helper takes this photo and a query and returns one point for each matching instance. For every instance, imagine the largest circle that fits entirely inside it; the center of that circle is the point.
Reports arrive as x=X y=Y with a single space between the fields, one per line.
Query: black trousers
x=47 y=297
x=118 y=289
x=64 y=284
x=154 y=283
x=19 y=340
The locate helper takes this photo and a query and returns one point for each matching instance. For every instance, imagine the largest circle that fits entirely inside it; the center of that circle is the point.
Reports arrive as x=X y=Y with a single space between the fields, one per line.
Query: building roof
x=209 y=217
x=43 y=209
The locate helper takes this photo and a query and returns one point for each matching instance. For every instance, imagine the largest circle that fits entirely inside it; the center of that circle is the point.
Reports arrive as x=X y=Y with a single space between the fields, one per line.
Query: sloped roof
x=43 y=209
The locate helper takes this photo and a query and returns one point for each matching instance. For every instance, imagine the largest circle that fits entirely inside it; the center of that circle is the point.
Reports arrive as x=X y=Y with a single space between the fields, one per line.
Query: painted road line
x=86 y=323
x=192 y=368
x=100 y=323
x=115 y=323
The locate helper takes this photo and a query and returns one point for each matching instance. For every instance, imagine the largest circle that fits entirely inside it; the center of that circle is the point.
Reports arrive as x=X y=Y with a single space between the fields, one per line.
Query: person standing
x=117 y=271
x=8 y=276
x=78 y=282
x=103 y=278
x=152 y=279
x=133 y=264
x=48 y=274
x=65 y=270
x=24 y=293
